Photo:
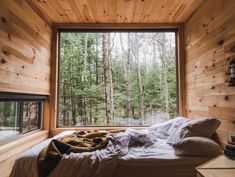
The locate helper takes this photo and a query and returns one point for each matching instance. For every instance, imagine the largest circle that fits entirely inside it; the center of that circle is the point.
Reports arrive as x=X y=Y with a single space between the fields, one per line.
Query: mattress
x=157 y=160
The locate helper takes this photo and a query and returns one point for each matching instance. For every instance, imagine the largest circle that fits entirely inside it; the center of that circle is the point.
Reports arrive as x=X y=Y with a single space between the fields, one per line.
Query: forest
x=18 y=117
x=117 y=78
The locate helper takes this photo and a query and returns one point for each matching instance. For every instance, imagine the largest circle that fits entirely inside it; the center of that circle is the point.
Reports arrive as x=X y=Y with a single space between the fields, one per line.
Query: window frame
x=58 y=28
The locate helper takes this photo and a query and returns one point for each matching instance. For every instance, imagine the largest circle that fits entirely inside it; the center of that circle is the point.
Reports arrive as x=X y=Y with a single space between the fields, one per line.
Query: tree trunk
x=136 y=47
x=107 y=79
x=72 y=102
x=126 y=58
x=96 y=61
x=84 y=76
x=64 y=103
x=128 y=78
x=90 y=83
x=163 y=58
x=110 y=47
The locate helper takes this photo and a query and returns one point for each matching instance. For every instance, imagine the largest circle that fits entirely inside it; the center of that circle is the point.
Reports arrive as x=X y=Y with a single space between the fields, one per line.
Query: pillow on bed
x=197 y=146
x=204 y=127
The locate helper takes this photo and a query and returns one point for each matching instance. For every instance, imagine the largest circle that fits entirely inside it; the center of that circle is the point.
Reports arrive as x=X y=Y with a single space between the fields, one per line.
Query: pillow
x=197 y=146
x=204 y=127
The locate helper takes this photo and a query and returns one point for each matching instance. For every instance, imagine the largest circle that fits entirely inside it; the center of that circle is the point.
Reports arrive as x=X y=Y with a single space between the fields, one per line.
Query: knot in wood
x=221 y=42
x=3 y=20
x=226 y=97
x=3 y=61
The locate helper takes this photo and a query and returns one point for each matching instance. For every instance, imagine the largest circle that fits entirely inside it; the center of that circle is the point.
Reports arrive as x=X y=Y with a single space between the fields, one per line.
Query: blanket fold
x=81 y=141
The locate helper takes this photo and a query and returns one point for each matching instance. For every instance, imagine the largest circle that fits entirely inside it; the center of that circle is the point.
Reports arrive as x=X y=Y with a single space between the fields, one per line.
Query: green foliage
x=82 y=102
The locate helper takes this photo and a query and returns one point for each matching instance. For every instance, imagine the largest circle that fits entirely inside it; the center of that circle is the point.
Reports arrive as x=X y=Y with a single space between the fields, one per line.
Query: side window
x=19 y=114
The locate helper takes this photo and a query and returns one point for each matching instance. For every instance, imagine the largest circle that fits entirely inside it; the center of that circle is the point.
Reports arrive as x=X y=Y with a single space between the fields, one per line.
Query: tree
x=127 y=73
x=135 y=50
x=107 y=78
x=164 y=63
x=130 y=76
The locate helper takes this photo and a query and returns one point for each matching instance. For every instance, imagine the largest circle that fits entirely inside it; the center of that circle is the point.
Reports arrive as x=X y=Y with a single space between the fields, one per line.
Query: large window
x=19 y=114
x=117 y=78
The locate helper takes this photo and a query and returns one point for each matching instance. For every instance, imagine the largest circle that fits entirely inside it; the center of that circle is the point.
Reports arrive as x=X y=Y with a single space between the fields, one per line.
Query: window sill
x=23 y=143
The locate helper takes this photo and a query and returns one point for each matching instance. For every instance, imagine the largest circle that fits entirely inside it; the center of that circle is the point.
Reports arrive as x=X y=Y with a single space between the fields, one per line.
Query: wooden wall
x=25 y=59
x=25 y=49
x=209 y=37
x=11 y=151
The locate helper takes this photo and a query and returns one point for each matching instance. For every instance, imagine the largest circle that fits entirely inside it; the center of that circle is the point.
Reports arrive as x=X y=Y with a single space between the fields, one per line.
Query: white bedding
x=121 y=158
x=157 y=161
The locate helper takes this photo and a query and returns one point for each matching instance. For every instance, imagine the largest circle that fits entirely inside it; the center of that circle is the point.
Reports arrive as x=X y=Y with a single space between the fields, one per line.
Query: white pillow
x=197 y=146
x=204 y=127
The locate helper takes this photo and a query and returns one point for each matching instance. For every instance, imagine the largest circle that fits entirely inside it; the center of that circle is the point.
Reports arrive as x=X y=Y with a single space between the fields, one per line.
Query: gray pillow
x=197 y=146
x=204 y=127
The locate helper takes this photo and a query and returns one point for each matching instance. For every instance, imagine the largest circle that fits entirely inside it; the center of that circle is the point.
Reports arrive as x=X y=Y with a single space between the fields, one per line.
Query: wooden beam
x=46 y=115
x=117 y=26
x=181 y=70
x=54 y=78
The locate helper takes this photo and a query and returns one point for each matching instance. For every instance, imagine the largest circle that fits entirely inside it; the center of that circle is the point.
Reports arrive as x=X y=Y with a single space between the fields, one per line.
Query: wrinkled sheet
x=132 y=153
x=158 y=160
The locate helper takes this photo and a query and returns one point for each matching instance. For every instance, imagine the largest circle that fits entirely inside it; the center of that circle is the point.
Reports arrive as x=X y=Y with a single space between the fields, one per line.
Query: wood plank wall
x=209 y=37
x=25 y=60
x=25 y=49
x=11 y=151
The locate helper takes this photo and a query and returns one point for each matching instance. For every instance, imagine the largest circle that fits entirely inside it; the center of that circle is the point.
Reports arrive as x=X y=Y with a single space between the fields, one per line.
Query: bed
x=156 y=159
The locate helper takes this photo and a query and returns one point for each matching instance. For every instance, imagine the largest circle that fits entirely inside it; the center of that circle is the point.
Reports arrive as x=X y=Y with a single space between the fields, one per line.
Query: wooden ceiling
x=114 y=11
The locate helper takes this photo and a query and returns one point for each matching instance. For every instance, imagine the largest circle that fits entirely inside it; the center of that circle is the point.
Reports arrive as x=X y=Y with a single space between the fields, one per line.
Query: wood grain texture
x=25 y=49
x=25 y=66
x=115 y=11
x=54 y=79
x=217 y=172
x=11 y=151
x=219 y=166
x=210 y=35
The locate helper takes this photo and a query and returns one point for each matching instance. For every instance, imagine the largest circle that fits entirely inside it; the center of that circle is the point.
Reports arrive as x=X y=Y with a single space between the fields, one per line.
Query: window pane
x=30 y=116
x=117 y=79
x=9 y=119
x=18 y=117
